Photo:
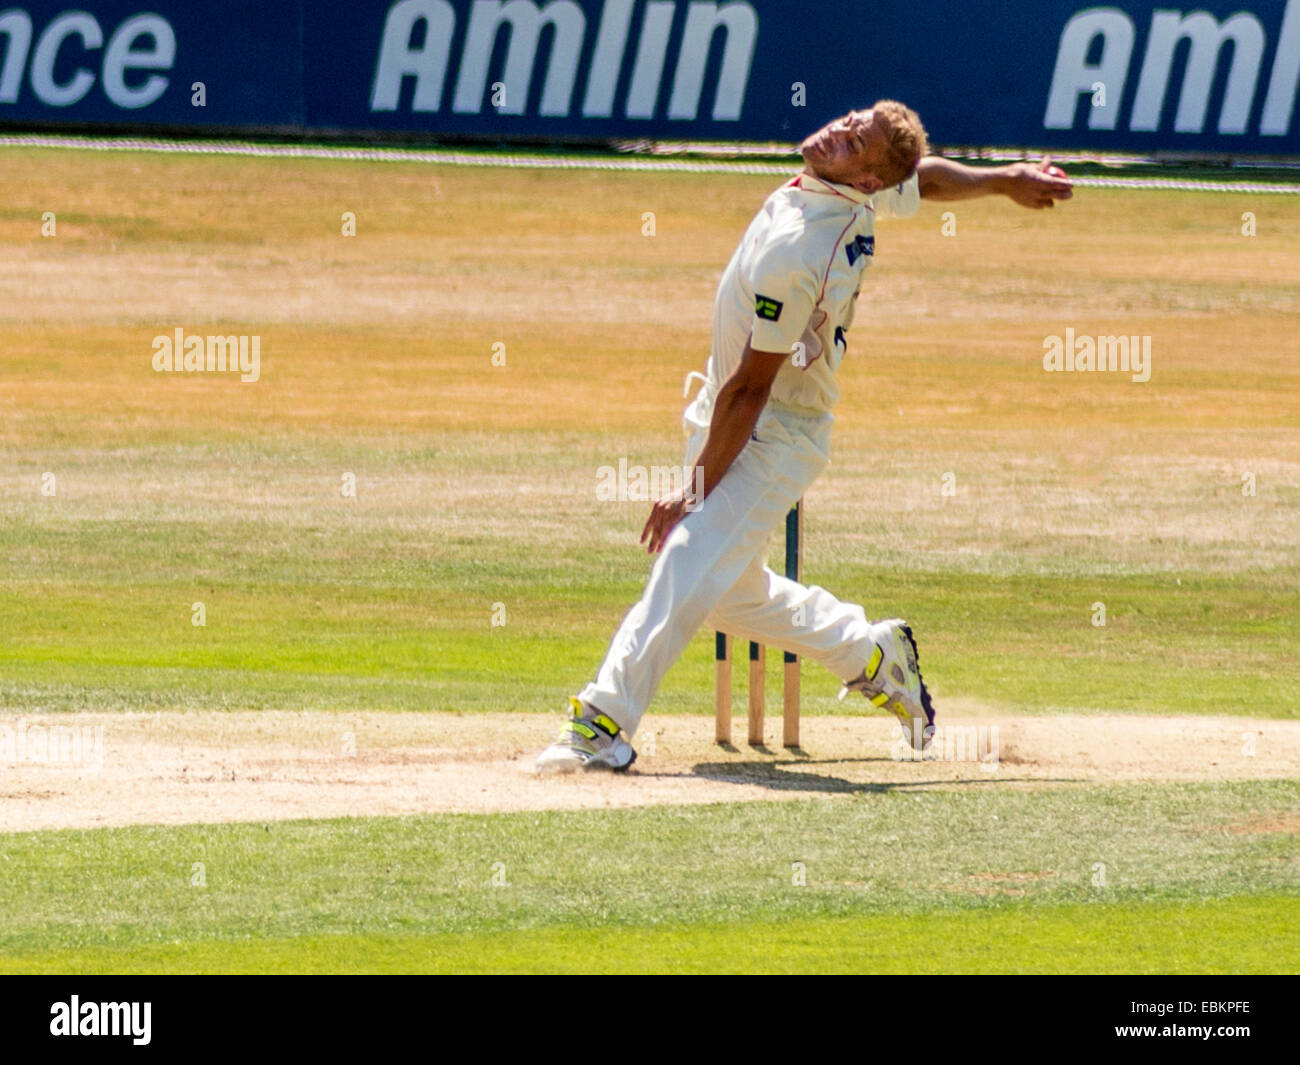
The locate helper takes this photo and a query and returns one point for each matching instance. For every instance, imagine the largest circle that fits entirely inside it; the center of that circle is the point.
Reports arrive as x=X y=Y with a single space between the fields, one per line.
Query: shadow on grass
x=778 y=776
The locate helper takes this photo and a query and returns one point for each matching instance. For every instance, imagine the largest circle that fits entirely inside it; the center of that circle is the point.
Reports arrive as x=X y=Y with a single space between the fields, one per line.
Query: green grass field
x=1174 y=503
x=1156 y=878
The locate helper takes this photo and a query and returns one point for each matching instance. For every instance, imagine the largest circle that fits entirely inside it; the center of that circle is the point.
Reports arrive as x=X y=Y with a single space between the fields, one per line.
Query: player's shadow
x=779 y=775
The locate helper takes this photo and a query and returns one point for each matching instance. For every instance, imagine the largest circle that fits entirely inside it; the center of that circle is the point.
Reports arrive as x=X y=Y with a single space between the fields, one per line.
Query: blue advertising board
x=1135 y=75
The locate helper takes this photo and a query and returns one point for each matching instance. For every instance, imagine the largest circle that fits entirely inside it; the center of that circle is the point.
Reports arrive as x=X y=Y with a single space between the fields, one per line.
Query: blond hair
x=906 y=139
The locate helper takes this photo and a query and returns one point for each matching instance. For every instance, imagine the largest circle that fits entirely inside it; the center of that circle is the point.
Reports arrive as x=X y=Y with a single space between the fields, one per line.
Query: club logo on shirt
x=767 y=308
x=858 y=247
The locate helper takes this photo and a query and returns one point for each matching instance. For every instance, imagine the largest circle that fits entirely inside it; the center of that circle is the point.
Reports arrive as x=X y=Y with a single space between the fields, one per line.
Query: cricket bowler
x=759 y=433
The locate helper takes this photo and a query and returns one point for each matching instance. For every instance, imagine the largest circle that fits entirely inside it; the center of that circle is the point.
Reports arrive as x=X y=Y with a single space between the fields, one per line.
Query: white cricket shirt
x=793 y=282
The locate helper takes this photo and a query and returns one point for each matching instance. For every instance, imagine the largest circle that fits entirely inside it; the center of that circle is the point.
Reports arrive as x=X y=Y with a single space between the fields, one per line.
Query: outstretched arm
x=1028 y=184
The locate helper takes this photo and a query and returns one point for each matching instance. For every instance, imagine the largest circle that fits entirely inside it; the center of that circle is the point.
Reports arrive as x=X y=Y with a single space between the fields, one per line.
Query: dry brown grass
x=384 y=341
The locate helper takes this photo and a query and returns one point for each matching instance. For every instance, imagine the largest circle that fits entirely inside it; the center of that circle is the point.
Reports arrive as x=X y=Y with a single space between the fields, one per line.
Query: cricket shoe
x=588 y=740
x=892 y=681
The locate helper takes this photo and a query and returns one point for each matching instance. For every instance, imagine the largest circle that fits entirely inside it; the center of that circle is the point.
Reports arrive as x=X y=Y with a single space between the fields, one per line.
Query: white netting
x=576 y=161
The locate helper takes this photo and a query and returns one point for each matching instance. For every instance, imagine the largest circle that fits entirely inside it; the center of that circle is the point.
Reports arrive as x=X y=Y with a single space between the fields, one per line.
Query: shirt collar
x=816 y=184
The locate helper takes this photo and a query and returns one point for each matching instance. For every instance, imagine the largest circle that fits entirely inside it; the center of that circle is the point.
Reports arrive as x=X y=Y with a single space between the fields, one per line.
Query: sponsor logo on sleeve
x=858 y=247
x=767 y=308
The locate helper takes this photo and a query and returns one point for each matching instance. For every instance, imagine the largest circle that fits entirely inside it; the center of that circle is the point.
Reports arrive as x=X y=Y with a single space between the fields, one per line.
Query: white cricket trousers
x=712 y=571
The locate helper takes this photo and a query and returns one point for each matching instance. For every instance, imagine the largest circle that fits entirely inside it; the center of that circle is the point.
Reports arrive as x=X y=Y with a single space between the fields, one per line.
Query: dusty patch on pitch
x=1280 y=824
x=1001 y=884
x=180 y=768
